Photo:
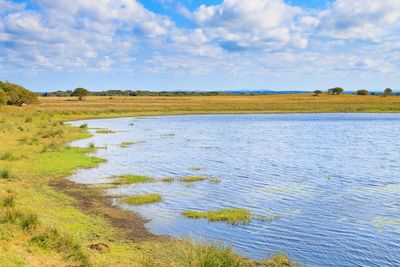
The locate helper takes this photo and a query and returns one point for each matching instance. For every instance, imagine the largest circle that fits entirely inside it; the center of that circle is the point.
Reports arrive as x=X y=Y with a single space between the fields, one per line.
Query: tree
x=388 y=91
x=362 y=92
x=18 y=95
x=336 y=90
x=80 y=93
x=317 y=92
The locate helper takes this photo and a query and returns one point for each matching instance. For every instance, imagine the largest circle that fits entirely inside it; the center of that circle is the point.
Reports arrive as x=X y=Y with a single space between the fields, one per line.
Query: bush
x=317 y=92
x=17 y=95
x=3 y=97
x=362 y=92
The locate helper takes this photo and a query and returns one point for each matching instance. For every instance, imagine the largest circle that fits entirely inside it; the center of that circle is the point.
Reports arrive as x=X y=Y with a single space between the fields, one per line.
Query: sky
x=49 y=45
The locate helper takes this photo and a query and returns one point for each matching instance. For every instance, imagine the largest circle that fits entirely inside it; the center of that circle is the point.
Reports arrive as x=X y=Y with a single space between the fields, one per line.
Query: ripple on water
x=332 y=179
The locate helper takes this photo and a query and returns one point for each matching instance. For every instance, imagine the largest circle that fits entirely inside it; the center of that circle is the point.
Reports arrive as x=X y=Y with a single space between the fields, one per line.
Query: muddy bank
x=94 y=201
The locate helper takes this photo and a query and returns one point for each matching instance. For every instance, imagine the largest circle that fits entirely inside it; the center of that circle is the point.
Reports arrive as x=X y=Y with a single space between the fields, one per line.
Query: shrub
x=362 y=92
x=317 y=92
x=3 y=97
x=18 y=95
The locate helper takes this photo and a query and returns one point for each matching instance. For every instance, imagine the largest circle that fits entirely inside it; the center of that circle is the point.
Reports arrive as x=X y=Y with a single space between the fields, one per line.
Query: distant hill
x=265 y=92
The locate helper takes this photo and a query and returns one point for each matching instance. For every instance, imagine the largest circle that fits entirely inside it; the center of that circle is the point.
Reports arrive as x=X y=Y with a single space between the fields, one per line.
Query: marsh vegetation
x=142 y=199
x=233 y=216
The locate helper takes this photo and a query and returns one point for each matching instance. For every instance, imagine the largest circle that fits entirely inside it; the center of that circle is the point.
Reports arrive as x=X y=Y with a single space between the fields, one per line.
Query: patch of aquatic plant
x=105 y=131
x=83 y=126
x=166 y=180
x=91 y=145
x=278 y=260
x=196 y=168
x=233 y=216
x=162 y=135
x=264 y=218
x=126 y=144
x=131 y=179
x=104 y=186
x=142 y=199
x=192 y=179
x=194 y=253
x=214 y=180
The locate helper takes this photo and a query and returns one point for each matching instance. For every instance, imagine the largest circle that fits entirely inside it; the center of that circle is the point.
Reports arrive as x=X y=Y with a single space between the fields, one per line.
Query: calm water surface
x=334 y=179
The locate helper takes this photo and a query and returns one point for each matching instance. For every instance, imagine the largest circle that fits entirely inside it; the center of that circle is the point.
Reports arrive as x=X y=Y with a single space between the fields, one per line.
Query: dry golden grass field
x=146 y=105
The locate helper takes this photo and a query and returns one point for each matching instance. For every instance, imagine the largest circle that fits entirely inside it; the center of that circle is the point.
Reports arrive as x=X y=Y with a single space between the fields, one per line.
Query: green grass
x=190 y=179
x=131 y=179
x=142 y=199
x=167 y=180
x=5 y=174
x=105 y=131
x=126 y=144
x=9 y=155
x=52 y=239
x=7 y=200
x=233 y=216
x=196 y=169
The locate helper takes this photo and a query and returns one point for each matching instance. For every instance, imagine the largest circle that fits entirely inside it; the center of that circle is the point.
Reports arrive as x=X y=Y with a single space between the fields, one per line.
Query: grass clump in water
x=233 y=216
x=126 y=144
x=105 y=131
x=131 y=179
x=142 y=199
x=278 y=260
x=196 y=169
x=192 y=179
x=166 y=180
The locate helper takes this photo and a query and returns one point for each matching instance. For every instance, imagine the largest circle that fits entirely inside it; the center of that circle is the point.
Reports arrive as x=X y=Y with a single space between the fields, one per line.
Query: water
x=334 y=179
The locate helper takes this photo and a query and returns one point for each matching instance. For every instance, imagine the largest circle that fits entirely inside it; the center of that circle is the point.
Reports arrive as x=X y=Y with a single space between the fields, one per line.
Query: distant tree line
x=339 y=90
x=136 y=93
x=14 y=94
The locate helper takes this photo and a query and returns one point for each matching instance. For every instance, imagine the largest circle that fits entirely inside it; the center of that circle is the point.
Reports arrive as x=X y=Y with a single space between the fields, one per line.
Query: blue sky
x=48 y=45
